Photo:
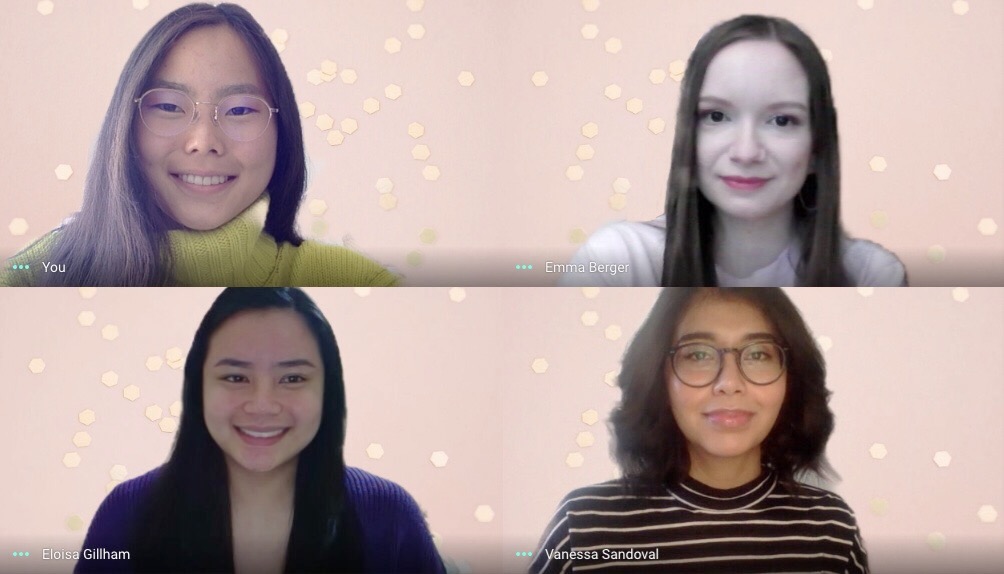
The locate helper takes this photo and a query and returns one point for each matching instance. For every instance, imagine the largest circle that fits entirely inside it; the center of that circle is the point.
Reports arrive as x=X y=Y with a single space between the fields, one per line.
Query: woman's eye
x=712 y=116
x=169 y=108
x=293 y=379
x=241 y=111
x=784 y=121
x=235 y=379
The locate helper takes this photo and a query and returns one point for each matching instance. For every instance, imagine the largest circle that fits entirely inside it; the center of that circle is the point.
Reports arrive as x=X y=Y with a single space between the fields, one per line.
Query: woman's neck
x=725 y=473
x=744 y=245
x=262 y=490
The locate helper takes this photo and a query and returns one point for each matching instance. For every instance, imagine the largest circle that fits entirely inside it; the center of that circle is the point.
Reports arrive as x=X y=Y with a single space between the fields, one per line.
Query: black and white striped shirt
x=691 y=527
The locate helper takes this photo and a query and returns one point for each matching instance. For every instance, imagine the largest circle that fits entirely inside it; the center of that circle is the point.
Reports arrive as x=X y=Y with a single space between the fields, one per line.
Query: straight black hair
x=185 y=525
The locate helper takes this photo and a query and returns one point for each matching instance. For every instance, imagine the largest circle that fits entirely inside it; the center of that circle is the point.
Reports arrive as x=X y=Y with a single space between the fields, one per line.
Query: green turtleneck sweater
x=238 y=254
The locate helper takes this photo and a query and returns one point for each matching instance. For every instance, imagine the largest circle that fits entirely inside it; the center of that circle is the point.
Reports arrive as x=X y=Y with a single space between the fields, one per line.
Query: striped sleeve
x=857 y=561
x=554 y=540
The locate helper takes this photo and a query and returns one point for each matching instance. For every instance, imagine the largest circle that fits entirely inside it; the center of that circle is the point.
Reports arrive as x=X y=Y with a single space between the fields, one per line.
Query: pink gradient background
x=914 y=83
x=917 y=370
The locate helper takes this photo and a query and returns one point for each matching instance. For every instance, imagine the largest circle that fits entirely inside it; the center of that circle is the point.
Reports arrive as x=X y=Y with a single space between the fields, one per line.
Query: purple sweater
x=394 y=535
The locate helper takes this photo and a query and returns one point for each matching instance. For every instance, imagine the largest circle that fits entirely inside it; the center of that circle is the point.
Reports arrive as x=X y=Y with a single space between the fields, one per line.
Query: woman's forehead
x=723 y=318
x=760 y=72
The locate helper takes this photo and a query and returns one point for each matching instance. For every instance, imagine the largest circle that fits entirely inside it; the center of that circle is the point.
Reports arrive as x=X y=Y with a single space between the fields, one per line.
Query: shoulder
x=629 y=235
x=819 y=500
x=31 y=257
x=318 y=264
x=630 y=251
x=870 y=264
x=609 y=495
x=114 y=522
x=374 y=497
x=127 y=496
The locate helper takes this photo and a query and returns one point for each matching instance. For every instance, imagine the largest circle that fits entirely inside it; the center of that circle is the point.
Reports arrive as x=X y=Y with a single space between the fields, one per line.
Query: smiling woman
x=202 y=127
x=256 y=481
x=723 y=411
x=753 y=197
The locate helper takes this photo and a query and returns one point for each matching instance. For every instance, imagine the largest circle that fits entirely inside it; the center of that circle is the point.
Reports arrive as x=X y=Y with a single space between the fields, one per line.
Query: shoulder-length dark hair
x=648 y=443
x=688 y=258
x=185 y=525
x=119 y=237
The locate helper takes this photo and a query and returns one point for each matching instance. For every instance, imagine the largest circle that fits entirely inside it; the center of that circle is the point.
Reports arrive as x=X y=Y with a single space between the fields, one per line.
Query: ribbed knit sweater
x=237 y=254
x=393 y=531
x=691 y=527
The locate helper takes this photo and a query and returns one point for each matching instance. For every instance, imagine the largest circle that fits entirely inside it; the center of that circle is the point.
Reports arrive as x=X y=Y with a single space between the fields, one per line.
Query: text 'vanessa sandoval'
x=604 y=554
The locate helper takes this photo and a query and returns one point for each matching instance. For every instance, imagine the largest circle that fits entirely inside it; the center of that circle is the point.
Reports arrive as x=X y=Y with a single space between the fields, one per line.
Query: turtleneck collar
x=703 y=497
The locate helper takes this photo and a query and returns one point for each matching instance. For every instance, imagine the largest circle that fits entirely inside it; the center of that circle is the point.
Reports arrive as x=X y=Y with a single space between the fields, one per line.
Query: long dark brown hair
x=688 y=259
x=119 y=237
x=648 y=443
x=185 y=524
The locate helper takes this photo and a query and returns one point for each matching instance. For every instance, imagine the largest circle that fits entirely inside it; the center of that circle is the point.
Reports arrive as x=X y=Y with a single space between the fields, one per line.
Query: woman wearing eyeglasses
x=723 y=410
x=203 y=125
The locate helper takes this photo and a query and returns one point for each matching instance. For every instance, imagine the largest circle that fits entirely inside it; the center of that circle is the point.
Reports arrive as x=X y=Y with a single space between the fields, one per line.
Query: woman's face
x=730 y=418
x=754 y=139
x=201 y=177
x=263 y=388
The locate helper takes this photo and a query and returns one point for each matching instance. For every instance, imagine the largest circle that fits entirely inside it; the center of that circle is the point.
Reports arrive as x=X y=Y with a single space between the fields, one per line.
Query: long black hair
x=185 y=524
x=119 y=237
x=688 y=257
x=648 y=443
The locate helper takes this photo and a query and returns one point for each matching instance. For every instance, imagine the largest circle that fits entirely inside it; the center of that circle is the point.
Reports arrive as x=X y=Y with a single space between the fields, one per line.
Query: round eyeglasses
x=700 y=364
x=167 y=112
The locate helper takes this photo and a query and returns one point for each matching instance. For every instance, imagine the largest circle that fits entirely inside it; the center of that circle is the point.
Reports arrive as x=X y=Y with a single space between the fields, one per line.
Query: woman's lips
x=745 y=183
x=729 y=418
x=263 y=438
x=203 y=184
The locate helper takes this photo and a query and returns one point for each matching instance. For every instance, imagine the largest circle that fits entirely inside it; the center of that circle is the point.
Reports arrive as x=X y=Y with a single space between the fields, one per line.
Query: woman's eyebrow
x=229 y=362
x=220 y=93
x=714 y=100
x=707 y=336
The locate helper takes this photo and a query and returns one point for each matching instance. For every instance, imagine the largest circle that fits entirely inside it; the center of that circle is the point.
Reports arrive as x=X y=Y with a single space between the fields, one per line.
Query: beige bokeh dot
x=63 y=172
x=45 y=7
x=153 y=412
x=315 y=77
x=420 y=152
x=590 y=5
x=327 y=77
x=109 y=378
x=348 y=76
x=81 y=439
x=613 y=45
x=613 y=332
x=539 y=78
x=154 y=363
x=392 y=91
x=942 y=458
x=866 y=4
x=427 y=236
x=414 y=258
x=465 y=78
x=877 y=163
x=634 y=105
x=617 y=201
x=676 y=70
x=539 y=365
x=175 y=354
x=317 y=207
x=866 y=291
x=168 y=425
x=416 y=31
x=987 y=227
x=87 y=292
x=612 y=92
x=484 y=513
x=590 y=417
x=118 y=472
x=960 y=294
x=335 y=137
x=657 y=125
x=71 y=460
x=415 y=5
x=324 y=122
x=610 y=378
x=131 y=393
x=176 y=409
x=110 y=486
x=362 y=291
x=329 y=67
x=590 y=130
x=140 y=4
x=458 y=294
x=431 y=172
x=621 y=185
x=585 y=439
x=589 y=318
x=585 y=152
x=36 y=365
x=574 y=460
x=590 y=292
x=827 y=54
x=657 y=76
x=878 y=451
x=75 y=523
x=577 y=235
x=416 y=130
x=388 y=201
x=960 y=7
x=825 y=343
x=318 y=228
x=349 y=126
x=86 y=417
x=879 y=506
x=18 y=226
x=371 y=105
x=109 y=332
x=392 y=45
x=280 y=35
x=935 y=540
x=987 y=514
x=589 y=31
x=375 y=451
x=574 y=172
x=936 y=253
x=439 y=459
x=942 y=171
x=384 y=185
x=878 y=219
x=307 y=109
